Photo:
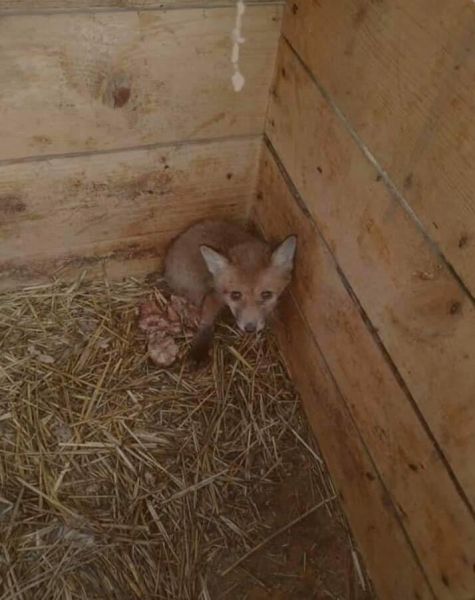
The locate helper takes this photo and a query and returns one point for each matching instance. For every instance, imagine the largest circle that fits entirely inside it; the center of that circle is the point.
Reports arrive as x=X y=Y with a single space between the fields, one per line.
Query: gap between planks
x=157 y=146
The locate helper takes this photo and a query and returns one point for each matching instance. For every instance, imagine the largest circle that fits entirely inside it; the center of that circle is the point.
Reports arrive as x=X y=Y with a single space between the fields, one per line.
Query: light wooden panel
x=82 y=82
x=393 y=568
x=440 y=184
x=125 y=205
x=402 y=73
x=65 y=5
x=120 y=263
x=423 y=317
x=423 y=493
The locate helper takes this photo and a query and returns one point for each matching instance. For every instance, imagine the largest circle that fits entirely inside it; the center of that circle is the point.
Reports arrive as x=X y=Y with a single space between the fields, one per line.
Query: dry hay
x=122 y=480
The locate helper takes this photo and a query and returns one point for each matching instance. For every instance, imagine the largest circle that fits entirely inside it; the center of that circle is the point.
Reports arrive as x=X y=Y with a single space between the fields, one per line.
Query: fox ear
x=283 y=255
x=215 y=261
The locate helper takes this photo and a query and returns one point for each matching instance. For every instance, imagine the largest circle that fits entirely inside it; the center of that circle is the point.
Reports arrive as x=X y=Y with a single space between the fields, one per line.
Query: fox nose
x=250 y=327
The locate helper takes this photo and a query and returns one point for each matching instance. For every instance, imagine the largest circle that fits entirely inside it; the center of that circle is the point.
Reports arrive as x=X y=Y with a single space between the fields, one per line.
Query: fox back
x=239 y=269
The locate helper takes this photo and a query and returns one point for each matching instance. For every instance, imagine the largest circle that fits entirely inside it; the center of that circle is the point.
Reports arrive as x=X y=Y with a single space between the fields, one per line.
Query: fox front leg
x=203 y=340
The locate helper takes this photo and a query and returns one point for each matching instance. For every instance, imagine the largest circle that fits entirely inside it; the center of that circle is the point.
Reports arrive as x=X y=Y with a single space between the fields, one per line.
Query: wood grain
x=392 y=566
x=121 y=206
x=81 y=5
x=118 y=264
x=423 y=493
x=83 y=82
x=403 y=73
x=440 y=182
x=423 y=317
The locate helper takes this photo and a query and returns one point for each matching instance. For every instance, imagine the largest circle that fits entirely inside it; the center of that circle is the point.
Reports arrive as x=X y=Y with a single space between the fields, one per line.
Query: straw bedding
x=120 y=479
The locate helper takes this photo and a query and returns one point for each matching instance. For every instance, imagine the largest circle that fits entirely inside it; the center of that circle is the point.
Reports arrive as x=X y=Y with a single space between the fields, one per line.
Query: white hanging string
x=237 y=79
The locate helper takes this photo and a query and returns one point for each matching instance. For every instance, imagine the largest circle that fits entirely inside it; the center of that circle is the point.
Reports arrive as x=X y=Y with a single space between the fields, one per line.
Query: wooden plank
x=81 y=5
x=124 y=205
x=426 y=499
x=423 y=317
x=393 y=60
x=403 y=73
x=391 y=563
x=82 y=82
x=118 y=264
x=439 y=185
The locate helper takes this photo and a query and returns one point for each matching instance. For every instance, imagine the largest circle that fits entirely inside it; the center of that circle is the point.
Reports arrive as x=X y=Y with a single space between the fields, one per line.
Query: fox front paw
x=200 y=350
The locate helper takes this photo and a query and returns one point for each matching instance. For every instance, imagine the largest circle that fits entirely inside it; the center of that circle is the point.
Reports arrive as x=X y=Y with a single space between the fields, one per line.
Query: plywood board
x=424 y=495
x=125 y=205
x=84 y=82
x=392 y=565
x=402 y=73
x=424 y=318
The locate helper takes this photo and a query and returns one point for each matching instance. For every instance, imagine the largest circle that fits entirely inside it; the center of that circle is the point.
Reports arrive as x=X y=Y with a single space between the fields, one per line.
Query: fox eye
x=236 y=296
x=267 y=295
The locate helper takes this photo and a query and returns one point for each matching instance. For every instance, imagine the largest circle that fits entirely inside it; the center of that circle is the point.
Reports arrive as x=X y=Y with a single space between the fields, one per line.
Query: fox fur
x=215 y=264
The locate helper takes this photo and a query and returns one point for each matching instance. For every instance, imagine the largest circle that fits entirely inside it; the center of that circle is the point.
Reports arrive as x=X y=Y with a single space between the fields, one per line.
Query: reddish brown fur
x=211 y=260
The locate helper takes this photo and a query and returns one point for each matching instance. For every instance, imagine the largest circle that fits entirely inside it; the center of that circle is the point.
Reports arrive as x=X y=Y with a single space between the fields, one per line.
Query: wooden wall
x=120 y=125
x=370 y=145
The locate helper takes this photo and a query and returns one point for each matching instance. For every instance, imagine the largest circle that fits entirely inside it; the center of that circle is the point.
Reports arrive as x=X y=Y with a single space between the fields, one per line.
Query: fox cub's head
x=251 y=278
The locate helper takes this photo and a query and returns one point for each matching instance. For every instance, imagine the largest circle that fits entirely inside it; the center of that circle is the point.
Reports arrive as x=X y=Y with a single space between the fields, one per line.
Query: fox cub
x=216 y=264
